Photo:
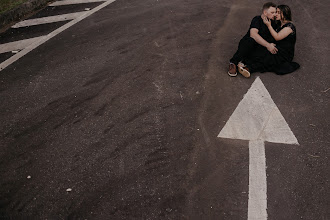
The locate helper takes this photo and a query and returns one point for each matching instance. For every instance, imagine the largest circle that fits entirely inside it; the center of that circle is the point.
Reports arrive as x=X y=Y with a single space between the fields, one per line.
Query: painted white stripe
x=257 y=206
x=73 y=2
x=43 y=39
x=17 y=45
x=50 y=19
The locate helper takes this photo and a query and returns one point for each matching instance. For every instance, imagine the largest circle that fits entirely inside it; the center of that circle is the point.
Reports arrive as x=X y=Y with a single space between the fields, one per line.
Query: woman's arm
x=280 y=35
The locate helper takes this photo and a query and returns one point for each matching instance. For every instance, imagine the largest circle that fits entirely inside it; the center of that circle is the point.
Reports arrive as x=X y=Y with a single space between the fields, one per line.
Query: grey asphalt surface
x=125 y=107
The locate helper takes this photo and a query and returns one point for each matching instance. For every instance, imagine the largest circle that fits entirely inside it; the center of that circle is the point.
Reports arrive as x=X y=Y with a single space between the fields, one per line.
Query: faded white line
x=17 y=45
x=51 y=35
x=73 y=2
x=49 y=19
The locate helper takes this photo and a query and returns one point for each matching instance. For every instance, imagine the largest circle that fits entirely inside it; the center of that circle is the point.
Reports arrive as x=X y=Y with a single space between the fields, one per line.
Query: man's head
x=269 y=10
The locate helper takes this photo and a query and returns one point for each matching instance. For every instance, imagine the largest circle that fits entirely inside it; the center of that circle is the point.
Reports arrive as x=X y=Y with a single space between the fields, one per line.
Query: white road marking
x=258 y=119
x=17 y=45
x=45 y=38
x=73 y=2
x=50 y=19
x=257 y=206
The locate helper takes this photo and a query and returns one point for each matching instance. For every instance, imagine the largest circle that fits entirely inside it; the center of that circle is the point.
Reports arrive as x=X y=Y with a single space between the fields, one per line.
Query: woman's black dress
x=280 y=63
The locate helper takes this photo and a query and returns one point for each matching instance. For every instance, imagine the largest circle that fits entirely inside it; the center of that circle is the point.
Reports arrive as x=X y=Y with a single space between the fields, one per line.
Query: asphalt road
x=124 y=109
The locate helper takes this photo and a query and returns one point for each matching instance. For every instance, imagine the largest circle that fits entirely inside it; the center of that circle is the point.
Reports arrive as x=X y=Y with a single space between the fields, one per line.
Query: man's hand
x=271 y=48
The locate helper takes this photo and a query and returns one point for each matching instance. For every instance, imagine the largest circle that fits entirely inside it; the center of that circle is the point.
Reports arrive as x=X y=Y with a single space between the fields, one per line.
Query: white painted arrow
x=257 y=119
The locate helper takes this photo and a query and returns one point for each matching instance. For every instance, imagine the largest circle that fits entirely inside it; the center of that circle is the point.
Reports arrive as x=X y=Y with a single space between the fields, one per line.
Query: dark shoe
x=244 y=71
x=232 y=70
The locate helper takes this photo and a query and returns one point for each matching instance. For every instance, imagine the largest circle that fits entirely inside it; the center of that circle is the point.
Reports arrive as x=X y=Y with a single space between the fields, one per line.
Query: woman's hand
x=266 y=21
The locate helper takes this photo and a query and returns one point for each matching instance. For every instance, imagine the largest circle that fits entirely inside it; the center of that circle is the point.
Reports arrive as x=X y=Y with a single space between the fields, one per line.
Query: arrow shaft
x=257 y=205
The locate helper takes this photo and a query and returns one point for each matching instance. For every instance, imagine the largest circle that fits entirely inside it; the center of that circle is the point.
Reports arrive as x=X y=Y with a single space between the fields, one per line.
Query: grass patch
x=6 y=5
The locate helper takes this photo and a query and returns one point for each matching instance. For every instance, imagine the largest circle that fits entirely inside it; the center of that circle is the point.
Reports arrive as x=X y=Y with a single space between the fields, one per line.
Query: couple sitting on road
x=269 y=44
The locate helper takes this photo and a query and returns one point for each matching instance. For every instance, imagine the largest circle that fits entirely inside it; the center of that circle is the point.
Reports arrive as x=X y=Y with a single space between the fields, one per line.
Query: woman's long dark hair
x=286 y=11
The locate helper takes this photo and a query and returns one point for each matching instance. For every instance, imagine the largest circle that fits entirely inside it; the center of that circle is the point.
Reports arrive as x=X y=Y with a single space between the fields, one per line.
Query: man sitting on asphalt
x=258 y=38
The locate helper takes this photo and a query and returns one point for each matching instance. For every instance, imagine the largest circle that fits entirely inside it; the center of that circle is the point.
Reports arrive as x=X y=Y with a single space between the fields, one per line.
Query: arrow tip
x=258 y=118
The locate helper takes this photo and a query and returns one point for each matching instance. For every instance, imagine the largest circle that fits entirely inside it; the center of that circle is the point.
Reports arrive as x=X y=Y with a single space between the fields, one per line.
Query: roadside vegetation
x=6 y=5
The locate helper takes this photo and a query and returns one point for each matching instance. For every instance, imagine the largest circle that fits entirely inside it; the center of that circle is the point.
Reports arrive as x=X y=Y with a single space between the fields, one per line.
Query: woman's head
x=283 y=13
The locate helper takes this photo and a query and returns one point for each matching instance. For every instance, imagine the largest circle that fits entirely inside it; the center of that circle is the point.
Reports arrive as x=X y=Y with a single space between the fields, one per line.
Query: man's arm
x=254 y=33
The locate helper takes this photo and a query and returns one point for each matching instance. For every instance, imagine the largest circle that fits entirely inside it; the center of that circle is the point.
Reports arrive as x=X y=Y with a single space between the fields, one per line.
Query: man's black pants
x=246 y=47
